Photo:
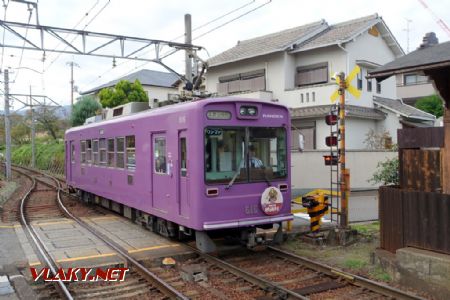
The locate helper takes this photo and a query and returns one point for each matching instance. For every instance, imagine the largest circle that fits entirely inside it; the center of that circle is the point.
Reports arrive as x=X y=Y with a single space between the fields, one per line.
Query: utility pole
x=7 y=127
x=71 y=64
x=33 y=133
x=345 y=174
x=407 y=29
x=188 y=41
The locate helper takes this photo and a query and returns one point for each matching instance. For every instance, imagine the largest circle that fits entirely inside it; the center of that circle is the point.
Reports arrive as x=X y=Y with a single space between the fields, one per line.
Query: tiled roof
x=340 y=32
x=266 y=44
x=302 y=38
x=403 y=109
x=145 y=77
x=323 y=110
x=422 y=58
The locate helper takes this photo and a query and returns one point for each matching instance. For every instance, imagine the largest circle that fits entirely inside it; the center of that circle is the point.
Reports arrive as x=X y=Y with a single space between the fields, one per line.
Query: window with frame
x=102 y=151
x=159 y=155
x=89 y=151
x=72 y=152
x=411 y=79
x=378 y=87
x=359 y=80
x=301 y=98
x=110 y=152
x=131 y=152
x=120 y=151
x=95 y=152
x=307 y=97
x=313 y=96
x=183 y=157
x=312 y=74
x=83 y=151
x=369 y=85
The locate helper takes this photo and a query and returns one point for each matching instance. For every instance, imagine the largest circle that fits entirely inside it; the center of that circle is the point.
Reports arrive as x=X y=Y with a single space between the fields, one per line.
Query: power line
x=5 y=5
x=23 y=47
x=196 y=28
x=85 y=26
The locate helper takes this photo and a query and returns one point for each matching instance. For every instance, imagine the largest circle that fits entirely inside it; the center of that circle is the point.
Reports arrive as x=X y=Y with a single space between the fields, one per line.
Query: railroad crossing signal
x=348 y=85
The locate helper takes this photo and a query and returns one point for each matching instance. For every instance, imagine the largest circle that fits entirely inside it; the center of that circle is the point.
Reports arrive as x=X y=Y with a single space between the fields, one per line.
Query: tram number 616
x=251 y=209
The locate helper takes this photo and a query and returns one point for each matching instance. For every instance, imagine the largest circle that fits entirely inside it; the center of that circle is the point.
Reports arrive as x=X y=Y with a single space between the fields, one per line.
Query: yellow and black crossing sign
x=348 y=85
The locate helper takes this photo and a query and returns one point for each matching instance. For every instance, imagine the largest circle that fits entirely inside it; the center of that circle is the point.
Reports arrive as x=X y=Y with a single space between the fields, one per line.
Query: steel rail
x=43 y=251
x=161 y=285
x=351 y=278
x=281 y=292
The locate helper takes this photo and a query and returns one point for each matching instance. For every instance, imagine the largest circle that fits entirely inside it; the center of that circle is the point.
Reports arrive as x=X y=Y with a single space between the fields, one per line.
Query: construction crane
x=438 y=20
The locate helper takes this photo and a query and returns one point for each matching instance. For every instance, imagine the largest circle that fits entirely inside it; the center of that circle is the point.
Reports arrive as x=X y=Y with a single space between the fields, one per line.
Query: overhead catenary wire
x=23 y=46
x=5 y=6
x=78 y=23
x=196 y=28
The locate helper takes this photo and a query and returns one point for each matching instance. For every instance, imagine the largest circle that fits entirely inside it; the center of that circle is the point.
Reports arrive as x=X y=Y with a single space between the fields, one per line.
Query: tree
x=85 y=108
x=48 y=121
x=431 y=104
x=387 y=172
x=376 y=141
x=122 y=93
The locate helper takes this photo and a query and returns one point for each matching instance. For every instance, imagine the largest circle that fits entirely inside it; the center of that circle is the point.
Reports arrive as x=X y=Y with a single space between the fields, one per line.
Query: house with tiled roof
x=294 y=67
x=158 y=85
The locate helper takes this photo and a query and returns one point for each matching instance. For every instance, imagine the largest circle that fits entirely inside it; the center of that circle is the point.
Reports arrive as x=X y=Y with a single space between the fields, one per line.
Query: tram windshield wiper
x=230 y=184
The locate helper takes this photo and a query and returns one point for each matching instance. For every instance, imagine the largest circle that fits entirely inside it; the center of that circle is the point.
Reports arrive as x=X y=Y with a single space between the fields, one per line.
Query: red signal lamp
x=331 y=141
x=331 y=119
x=330 y=160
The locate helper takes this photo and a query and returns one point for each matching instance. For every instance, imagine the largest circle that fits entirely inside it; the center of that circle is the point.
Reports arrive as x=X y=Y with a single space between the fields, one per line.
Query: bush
x=386 y=173
x=432 y=104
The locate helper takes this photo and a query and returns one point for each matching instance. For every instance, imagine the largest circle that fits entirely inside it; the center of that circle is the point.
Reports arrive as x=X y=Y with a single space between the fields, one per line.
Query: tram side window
x=95 y=151
x=89 y=151
x=183 y=157
x=72 y=155
x=110 y=152
x=102 y=151
x=120 y=144
x=131 y=152
x=159 y=155
x=83 y=151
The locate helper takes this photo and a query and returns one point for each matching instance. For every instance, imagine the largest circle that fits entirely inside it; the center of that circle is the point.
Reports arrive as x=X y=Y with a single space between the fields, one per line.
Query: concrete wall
x=160 y=93
x=309 y=171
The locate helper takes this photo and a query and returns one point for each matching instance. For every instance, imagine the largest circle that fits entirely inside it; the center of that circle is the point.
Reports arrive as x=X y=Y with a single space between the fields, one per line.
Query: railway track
x=142 y=282
x=268 y=274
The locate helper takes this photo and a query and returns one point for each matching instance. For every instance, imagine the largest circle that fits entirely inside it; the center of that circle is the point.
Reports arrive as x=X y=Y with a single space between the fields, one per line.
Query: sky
x=164 y=20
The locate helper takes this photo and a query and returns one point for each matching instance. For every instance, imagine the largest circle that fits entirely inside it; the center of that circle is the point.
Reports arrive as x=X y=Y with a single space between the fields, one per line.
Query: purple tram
x=190 y=169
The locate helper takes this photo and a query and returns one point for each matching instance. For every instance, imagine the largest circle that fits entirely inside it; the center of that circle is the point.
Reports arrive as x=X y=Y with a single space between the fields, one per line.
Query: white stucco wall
x=390 y=124
x=372 y=49
x=310 y=172
x=160 y=93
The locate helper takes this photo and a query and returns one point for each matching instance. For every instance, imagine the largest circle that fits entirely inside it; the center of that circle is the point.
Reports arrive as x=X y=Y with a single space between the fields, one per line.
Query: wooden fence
x=416 y=214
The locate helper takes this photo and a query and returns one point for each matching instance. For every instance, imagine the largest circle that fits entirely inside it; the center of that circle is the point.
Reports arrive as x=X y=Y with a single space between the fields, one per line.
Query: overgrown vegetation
x=49 y=156
x=431 y=104
x=386 y=173
x=85 y=108
x=122 y=93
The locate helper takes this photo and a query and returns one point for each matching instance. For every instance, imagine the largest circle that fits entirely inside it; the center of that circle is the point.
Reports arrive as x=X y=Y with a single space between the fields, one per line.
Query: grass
x=48 y=155
x=355 y=258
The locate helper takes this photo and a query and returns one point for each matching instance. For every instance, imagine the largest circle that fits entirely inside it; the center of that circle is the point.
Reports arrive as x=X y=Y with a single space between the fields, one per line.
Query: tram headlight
x=252 y=111
x=248 y=111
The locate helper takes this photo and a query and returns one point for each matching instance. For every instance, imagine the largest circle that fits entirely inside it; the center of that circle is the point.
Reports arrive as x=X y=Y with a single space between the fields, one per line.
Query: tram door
x=183 y=175
x=70 y=150
x=162 y=173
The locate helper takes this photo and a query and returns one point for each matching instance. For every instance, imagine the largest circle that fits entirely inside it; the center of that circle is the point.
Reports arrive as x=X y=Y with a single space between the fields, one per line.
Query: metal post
x=7 y=127
x=71 y=84
x=344 y=180
x=33 y=133
x=188 y=40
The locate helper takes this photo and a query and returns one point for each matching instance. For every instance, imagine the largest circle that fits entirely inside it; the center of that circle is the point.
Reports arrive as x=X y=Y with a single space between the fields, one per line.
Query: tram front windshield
x=245 y=154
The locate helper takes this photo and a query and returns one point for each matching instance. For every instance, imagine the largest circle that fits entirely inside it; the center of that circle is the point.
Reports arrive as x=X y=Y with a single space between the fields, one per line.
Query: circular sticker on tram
x=271 y=201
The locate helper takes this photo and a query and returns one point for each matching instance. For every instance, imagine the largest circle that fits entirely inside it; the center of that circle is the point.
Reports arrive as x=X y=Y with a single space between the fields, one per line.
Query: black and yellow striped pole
x=317 y=207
